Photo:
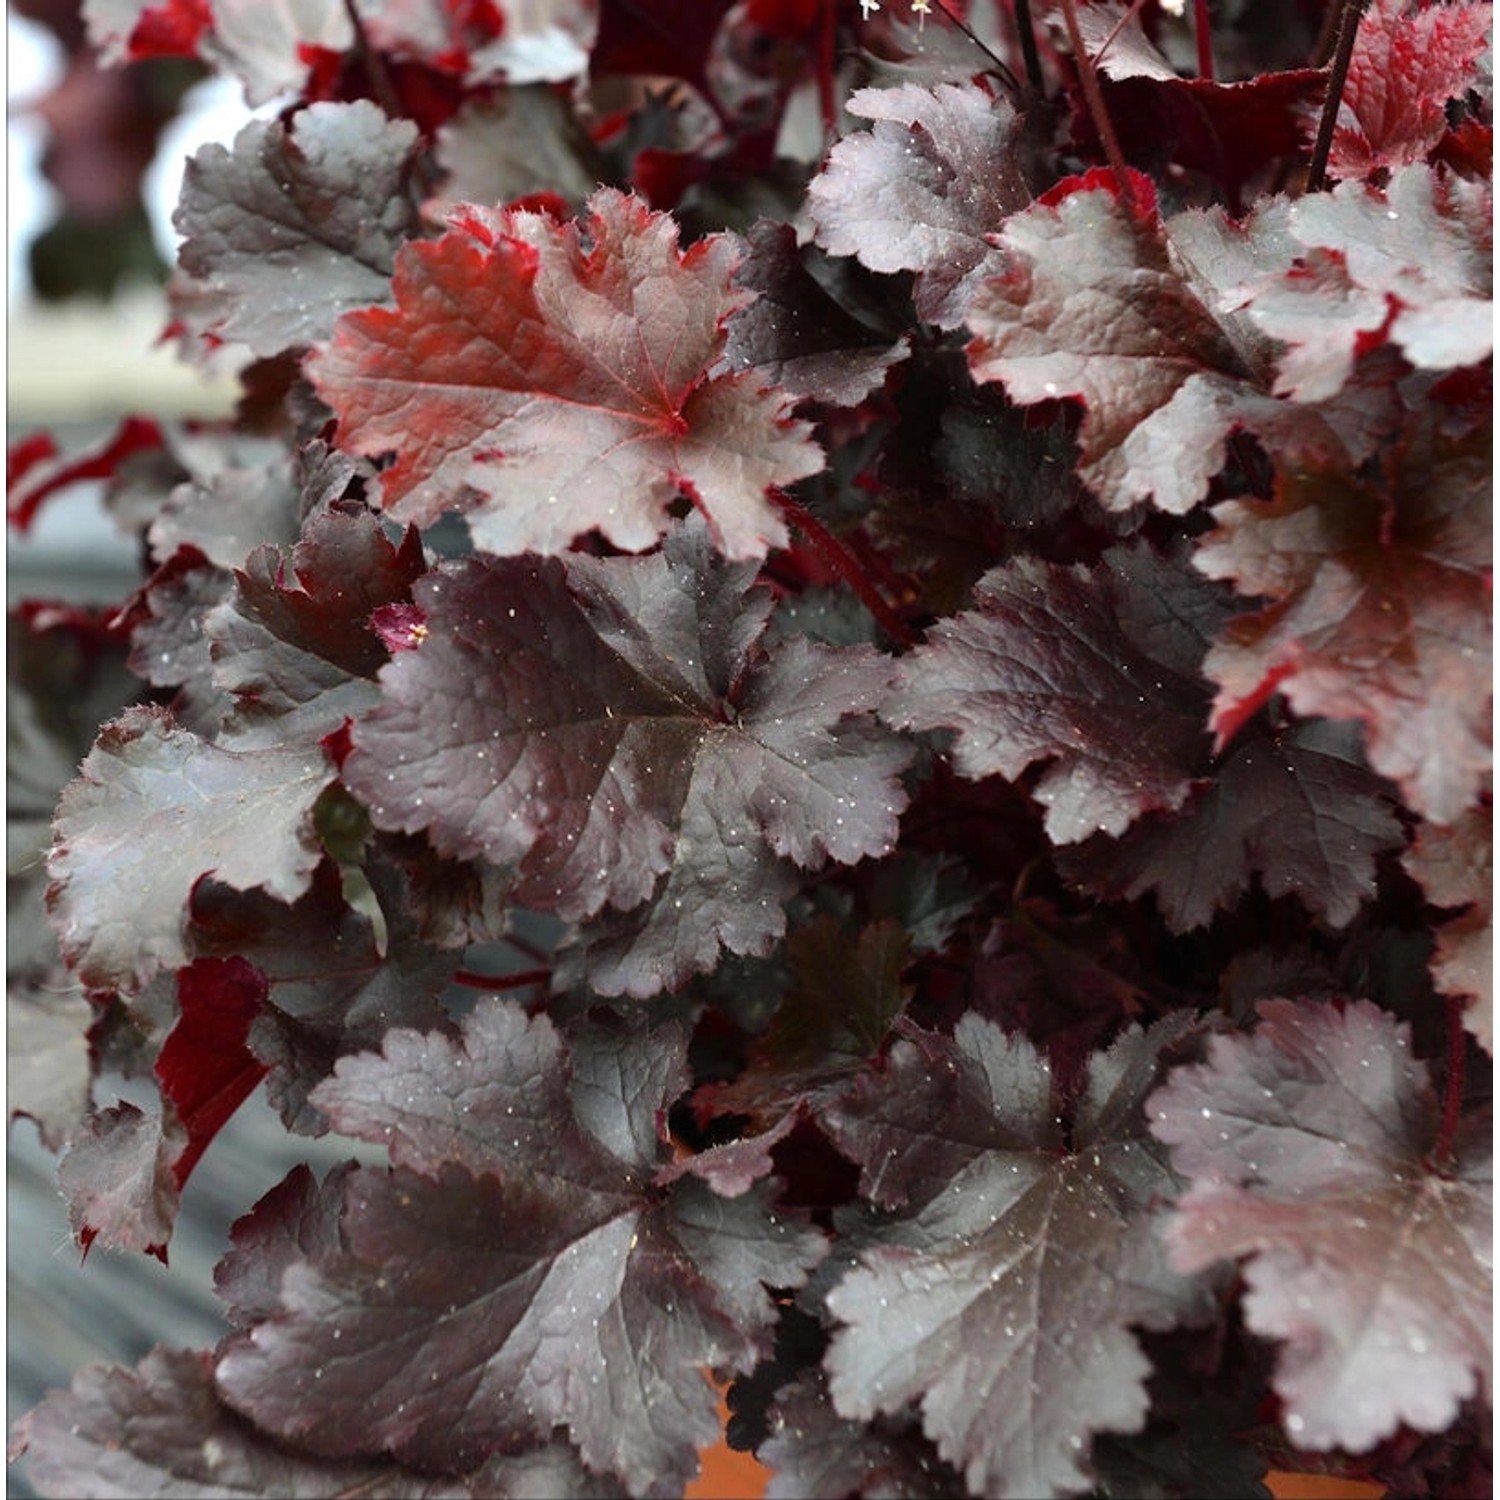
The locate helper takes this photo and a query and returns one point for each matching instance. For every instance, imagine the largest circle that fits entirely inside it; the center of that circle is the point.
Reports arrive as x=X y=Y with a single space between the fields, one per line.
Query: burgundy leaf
x=553 y=389
x=1306 y=1145
x=154 y=810
x=1380 y=598
x=293 y=226
x=160 y=1429
x=1094 y=671
x=335 y=988
x=294 y=645
x=298 y=1218
x=613 y=731
x=1299 y=809
x=1090 y=305
x=463 y=1309
x=1002 y=1300
x=924 y=191
x=205 y=1067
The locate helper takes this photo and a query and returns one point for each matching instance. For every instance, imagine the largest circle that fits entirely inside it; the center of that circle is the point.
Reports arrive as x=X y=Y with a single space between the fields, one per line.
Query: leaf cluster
x=834 y=682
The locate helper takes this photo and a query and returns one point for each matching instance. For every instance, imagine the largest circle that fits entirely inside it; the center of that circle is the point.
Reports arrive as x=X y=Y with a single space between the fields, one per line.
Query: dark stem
x=1204 y=37
x=1009 y=79
x=1453 y=1081
x=1027 y=34
x=517 y=981
x=843 y=562
x=385 y=92
x=1094 y=96
x=827 y=60
x=1343 y=50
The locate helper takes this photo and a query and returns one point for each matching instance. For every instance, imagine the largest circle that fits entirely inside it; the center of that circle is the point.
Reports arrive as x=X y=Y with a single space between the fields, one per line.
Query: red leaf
x=550 y=388
x=206 y=1067
x=1407 y=64
x=22 y=501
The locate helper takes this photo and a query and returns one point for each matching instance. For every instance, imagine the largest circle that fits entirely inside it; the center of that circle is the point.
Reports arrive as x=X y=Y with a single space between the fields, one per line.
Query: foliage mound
x=832 y=695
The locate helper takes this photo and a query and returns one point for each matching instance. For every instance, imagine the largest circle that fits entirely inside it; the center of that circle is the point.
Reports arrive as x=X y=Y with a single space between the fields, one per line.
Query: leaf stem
x=843 y=562
x=1343 y=50
x=1203 y=35
x=1027 y=33
x=384 y=91
x=1009 y=79
x=517 y=981
x=1453 y=1081
x=1093 y=95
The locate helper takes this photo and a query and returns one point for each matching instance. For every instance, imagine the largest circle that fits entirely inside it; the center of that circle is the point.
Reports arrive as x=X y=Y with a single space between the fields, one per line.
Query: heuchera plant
x=833 y=687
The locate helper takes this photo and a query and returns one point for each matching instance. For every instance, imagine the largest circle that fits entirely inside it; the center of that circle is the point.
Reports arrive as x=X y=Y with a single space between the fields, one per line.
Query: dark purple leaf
x=1094 y=671
x=1299 y=809
x=924 y=190
x=613 y=731
x=294 y=644
x=1306 y=1144
x=294 y=225
x=1003 y=1297
x=472 y=1309
x=154 y=811
x=297 y=1220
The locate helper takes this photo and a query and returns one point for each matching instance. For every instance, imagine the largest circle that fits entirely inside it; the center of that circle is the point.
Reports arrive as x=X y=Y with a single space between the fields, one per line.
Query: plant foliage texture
x=831 y=694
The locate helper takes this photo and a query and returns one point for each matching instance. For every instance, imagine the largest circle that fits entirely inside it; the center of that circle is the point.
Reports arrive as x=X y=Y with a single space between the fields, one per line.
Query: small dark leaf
x=924 y=190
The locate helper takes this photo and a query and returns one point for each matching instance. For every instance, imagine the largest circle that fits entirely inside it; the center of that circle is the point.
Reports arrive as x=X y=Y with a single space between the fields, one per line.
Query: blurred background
x=94 y=159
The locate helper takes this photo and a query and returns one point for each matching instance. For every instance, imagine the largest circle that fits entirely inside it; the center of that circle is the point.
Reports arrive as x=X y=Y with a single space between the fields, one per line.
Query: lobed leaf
x=294 y=225
x=462 y=1311
x=154 y=810
x=548 y=389
x=612 y=730
x=1307 y=1145
x=1093 y=671
x=1379 y=596
x=1001 y=1301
